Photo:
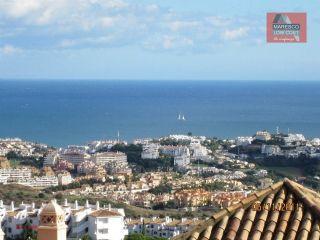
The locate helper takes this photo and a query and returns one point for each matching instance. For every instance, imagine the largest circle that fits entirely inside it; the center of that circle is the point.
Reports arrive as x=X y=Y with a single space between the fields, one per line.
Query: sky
x=153 y=40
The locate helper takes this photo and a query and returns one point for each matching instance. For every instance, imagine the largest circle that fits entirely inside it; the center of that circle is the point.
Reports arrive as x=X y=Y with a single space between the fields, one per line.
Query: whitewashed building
x=107 y=157
x=99 y=223
x=270 y=149
x=150 y=151
x=182 y=157
x=262 y=136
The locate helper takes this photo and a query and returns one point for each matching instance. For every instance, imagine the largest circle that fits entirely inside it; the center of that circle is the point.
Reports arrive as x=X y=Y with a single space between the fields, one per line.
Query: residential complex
x=94 y=220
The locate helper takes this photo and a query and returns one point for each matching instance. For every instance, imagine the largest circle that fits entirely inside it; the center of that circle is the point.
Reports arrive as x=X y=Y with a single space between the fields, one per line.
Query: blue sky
x=153 y=39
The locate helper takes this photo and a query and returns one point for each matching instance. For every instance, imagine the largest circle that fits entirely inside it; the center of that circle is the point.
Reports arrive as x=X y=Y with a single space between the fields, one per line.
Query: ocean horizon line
x=156 y=80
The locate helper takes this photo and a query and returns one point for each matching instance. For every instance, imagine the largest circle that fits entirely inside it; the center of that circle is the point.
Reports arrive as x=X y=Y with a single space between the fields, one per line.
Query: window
x=103 y=231
x=105 y=220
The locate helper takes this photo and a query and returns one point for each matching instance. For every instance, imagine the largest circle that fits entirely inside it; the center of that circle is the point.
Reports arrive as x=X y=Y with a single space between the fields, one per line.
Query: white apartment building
x=182 y=157
x=64 y=178
x=150 y=151
x=23 y=176
x=107 y=224
x=270 y=149
x=99 y=223
x=74 y=156
x=51 y=159
x=198 y=151
x=315 y=142
x=142 y=141
x=15 y=174
x=40 y=182
x=243 y=141
x=107 y=157
x=161 y=227
x=3 y=180
x=263 y=136
x=294 y=138
x=168 y=150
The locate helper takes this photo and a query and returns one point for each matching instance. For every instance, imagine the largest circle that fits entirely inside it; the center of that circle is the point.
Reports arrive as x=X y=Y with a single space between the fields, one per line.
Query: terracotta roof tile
x=207 y=233
x=283 y=221
x=221 y=228
x=104 y=213
x=315 y=232
x=234 y=225
x=298 y=217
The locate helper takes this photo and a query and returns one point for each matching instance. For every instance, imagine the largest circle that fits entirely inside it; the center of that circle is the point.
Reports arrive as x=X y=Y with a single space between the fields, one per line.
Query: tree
x=139 y=236
x=86 y=237
x=28 y=232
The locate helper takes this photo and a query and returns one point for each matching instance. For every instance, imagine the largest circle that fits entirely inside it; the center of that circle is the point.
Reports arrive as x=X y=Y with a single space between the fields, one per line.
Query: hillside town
x=185 y=173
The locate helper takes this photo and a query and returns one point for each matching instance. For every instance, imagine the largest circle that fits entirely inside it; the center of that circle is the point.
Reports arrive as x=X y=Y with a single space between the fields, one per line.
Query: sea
x=62 y=113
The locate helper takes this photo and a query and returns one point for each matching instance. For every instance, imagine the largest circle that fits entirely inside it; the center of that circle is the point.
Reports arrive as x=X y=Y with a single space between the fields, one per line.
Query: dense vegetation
x=215 y=186
x=161 y=189
x=308 y=166
x=28 y=161
x=138 y=236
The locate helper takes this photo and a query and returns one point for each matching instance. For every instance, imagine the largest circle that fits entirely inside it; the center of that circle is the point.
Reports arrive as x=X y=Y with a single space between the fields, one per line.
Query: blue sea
x=74 y=112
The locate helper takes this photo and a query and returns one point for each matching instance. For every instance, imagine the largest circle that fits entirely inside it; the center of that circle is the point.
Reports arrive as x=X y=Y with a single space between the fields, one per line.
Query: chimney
x=97 y=205
x=65 y=202
x=87 y=204
x=12 y=206
x=76 y=206
x=33 y=206
x=1 y=204
x=109 y=207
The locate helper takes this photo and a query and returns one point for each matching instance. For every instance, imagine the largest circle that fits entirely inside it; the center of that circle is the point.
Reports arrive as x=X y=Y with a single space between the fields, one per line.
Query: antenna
x=118 y=136
x=277 y=130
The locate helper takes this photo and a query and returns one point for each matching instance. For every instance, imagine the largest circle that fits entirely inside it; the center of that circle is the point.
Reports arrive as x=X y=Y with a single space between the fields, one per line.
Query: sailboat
x=179 y=117
x=183 y=118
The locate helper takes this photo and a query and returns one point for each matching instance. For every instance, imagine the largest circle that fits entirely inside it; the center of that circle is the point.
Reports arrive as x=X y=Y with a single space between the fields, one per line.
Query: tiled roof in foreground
x=301 y=219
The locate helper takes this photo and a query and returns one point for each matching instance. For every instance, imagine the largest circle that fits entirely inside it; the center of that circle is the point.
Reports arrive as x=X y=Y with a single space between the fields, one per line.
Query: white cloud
x=180 y=25
x=9 y=50
x=19 y=8
x=218 y=21
x=104 y=23
x=235 y=34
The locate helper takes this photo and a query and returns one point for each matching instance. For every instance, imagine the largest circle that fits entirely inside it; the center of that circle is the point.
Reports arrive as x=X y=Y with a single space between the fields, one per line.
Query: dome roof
x=52 y=208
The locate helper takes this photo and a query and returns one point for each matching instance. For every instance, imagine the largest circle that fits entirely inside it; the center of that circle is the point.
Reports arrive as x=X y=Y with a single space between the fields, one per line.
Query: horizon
x=160 y=80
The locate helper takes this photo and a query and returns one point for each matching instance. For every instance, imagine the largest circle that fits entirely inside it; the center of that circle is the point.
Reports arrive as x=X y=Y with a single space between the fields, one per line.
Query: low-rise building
x=74 y=155
x=270 y=149
x=15 y=174
x=262 y=136
x=104 y=158
x=64 y=178
x=150 y=151
x=99 y=223
x=182 y=157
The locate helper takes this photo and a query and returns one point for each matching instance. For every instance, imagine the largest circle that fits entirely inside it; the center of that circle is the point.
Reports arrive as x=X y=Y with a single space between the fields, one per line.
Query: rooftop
x=105 y=213
x=297 y=217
